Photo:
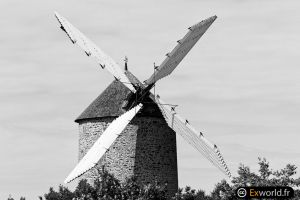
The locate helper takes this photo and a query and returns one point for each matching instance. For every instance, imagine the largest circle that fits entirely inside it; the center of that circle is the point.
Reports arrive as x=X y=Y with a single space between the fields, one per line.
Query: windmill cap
x=111 y=101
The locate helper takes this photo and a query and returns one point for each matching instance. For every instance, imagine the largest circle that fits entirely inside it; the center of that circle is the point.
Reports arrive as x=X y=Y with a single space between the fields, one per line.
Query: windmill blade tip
x=67 y=181
x=56 y=14
x=213 y=18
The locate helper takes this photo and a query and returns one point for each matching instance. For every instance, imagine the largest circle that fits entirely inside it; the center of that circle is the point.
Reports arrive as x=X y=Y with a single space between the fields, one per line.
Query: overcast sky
x=239 y=85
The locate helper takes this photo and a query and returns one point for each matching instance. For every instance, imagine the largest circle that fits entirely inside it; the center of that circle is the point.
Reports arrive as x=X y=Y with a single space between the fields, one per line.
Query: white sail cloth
x=99 y=148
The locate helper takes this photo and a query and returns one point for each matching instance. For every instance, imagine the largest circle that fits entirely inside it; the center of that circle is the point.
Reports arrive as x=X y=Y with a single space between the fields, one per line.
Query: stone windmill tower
x=147 y=146
x=130 y=130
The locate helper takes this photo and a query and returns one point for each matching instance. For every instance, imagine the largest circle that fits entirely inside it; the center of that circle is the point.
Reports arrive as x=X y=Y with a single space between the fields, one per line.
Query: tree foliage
x=191 y=194
x=107 y=187
x=264 y=177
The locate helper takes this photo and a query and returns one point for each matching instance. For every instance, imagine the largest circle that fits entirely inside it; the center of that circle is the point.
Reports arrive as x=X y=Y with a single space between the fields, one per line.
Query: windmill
x=137 y=98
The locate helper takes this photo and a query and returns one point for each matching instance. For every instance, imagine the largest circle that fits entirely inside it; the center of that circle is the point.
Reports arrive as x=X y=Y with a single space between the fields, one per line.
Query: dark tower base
x=146 y=149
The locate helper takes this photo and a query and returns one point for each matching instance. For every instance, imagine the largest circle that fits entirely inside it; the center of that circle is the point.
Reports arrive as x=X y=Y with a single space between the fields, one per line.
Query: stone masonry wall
x=146 y=148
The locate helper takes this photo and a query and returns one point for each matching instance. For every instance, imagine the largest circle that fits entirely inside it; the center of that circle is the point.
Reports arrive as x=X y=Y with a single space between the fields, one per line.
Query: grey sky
x=239 y=85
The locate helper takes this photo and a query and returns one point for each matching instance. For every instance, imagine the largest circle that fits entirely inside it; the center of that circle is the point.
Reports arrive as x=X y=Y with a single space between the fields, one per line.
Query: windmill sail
x=99 y=148
x=92 y=50
x=180 y=51
x=196 y=139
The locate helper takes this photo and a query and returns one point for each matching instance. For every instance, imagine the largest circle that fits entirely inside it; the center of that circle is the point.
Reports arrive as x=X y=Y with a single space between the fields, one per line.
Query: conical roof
x=111 y=101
